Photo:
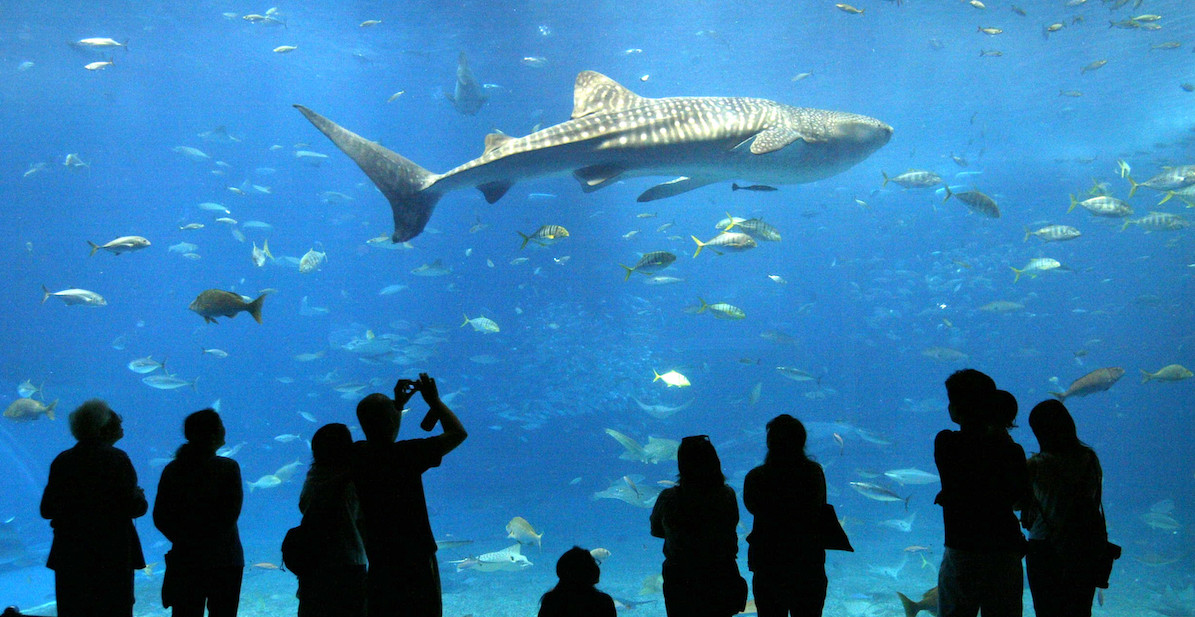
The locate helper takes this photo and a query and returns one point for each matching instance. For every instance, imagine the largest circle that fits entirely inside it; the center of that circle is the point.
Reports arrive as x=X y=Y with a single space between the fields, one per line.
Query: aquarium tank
x=601 y=227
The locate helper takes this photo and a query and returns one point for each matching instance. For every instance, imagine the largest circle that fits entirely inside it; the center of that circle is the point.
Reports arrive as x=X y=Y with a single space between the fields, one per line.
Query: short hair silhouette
x=698 y=464
x=202 y=426
x=1004 y=410
x=1054 y=427
x=577 y=568
x=89 y=419
x=375 y=414
x=331 y=445
x=786 y=440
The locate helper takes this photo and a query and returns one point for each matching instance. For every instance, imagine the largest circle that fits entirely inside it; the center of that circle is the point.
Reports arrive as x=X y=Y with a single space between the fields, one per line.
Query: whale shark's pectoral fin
x=596 y=93
x=595 y=177
x=673 y=188
x=773 y=139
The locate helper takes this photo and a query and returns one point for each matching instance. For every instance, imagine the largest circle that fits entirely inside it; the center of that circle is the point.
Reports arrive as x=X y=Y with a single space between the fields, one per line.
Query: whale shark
x=615 y=134
x=468 y=96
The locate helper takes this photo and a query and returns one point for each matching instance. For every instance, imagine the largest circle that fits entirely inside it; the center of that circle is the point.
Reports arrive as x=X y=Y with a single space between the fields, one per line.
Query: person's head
x=578 y=568
x=92 y=421
x=970 y=393
x=1053 y=427
x=331 y=446
x=786 y=439
x=378 y=417
x=204 y=430
x=697 y=463
x=1003 y=411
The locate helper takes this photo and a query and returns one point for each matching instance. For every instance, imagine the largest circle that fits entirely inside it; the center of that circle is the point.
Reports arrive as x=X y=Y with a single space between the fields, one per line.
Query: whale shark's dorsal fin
x=594 y=93
x=495 y=139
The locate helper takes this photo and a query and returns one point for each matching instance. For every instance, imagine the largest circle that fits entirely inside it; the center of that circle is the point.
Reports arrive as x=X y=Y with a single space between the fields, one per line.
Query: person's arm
x=134 y=496
x=751 y=491
x=164 y=515
x=51 y=498
x=454 y=432
x=657 y=515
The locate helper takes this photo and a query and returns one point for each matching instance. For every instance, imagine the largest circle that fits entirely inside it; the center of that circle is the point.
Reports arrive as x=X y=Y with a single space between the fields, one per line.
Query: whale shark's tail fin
x=403 y=182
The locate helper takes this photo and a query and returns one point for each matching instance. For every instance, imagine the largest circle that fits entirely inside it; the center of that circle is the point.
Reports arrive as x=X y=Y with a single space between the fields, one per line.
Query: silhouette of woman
x=1063 y=516
x=697 y=520
x=576 y=595
x=91 y=499
x=336 y=586
x=785 y=495
x=198 y=503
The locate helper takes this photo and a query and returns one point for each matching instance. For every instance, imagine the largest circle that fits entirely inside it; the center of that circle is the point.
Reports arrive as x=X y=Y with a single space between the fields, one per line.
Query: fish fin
x=50 y=409
x=1145 y=376
x=254 y=308
x=94 y=247
x=405 y=184
x=495 y=140
x=886 y=179
x=775 y=138
x=629 y=271
x=700 y=245
x=672 y=188
x=911 y=609
x=47 y=293
x=1061 y=396
x=1134 y=184
x=595 y=177
x=596 y=93
x=494 y=191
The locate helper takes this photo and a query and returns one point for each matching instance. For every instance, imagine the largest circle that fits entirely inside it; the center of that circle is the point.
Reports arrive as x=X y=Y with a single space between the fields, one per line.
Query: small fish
x=726 y=241
x=123 y=244
x=519 y=530
x=285 y=49
x=990 y=31
x=672 y=379
x=146 y=365
x=1054 y=233
x=395 y=96
x=1036 y=266
x=216 y=353
x=1093 y=66
x=214 y=303
x=75 y=297
x=879 y=493
x=546 y=235
x=1170 y=372
x=27 y=409
x=368 y=23
x=753 y=187
x=98 y=65
x=1095 y=381
x=977 y=202
x=28 y=390
x=650 y=263
x=168 y=382
x=481 y=324
x=846 y=8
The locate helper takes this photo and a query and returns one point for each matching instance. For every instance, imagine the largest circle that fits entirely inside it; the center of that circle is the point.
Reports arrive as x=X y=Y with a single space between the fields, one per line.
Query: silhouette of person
x=403 y=577
x=91 y=499
x=785 y=495
x=983 y=477
x=576 y=595
x=336 y=587
x=697 y=520
x=198 y=503
x=1063 y=514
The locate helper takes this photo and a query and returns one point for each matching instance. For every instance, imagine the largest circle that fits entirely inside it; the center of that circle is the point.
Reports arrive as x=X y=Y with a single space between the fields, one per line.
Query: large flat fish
x=616 y=134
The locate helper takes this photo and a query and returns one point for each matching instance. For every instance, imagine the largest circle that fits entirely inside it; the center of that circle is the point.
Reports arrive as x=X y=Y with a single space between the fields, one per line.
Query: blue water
x=874 y=275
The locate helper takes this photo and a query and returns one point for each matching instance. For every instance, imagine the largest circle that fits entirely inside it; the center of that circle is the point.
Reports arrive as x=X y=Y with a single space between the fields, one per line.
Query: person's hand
x=427 y=385
x=403 y=391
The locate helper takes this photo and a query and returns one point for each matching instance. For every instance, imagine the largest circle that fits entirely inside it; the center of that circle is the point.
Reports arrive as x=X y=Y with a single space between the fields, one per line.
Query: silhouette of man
x=983 y=477
x=91 y=499
x=403 y=576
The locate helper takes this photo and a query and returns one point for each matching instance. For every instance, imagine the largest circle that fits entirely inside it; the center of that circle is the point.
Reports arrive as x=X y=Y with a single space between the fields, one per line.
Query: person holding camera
x=403 y=576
